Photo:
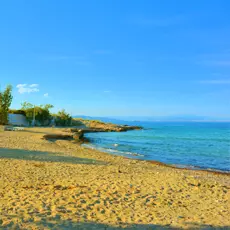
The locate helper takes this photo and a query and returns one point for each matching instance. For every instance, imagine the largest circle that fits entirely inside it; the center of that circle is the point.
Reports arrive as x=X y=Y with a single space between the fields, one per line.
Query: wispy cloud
x=63 y=57
x=221 y=82
x=46 y=95
x=25 y=88
x=82 y=63
x=214 y=63
x=78 y=60
x=156 y=22
x=221 y=63
x=102 y=51
x=221 y=59
x=107 y=91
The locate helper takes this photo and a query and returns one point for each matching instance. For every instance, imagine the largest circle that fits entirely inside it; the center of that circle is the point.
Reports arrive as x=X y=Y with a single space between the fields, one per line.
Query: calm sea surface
x=185 y=144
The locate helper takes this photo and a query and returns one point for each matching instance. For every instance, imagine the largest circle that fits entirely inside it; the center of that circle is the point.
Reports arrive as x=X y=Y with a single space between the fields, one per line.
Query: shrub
x=17 y=111
x=62 y=118
x=41 y=115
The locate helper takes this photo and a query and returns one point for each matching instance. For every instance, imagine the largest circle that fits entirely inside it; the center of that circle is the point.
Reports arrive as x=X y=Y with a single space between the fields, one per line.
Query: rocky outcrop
x=70 y=135
x=78 y=135
x=99 y=126
x=87 y=126
x=53 y=137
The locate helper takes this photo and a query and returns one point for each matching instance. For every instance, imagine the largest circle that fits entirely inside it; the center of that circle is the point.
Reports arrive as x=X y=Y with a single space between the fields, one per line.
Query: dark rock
x=58 y=137
x=78 y=136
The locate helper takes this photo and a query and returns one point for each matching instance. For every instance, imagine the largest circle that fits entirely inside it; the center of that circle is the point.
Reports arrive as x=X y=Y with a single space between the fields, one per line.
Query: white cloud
x=33 y=85
x=46 y=95
x=107 y=91
x=24 y=88
x=21 y=85
x=223 y=82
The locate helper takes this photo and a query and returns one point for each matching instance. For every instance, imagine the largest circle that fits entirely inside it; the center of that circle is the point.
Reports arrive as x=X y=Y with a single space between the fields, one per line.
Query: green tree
x=5 y=102
x=26 y=105
x=47 y=106
x=42 y=114
x=62 y=118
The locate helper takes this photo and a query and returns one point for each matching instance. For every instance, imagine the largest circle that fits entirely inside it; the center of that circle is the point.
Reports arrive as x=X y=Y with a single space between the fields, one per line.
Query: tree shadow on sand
x=56 y=224
x=45 y=156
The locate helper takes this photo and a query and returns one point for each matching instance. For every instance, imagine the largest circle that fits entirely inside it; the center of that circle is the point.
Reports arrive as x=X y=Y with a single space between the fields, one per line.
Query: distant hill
x=182 y=118
x=125 y=119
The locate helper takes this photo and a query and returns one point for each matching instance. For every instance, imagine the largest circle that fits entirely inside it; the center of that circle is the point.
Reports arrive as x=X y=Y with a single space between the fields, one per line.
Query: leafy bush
x=41 y=115
x=17 y=111
x=62 y=118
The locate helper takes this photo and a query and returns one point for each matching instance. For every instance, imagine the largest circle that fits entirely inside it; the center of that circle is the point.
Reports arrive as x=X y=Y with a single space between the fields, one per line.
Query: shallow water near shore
x=204 y=145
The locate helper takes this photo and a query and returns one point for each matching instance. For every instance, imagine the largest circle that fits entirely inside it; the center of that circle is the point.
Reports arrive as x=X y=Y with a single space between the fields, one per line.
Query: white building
x=17 y=119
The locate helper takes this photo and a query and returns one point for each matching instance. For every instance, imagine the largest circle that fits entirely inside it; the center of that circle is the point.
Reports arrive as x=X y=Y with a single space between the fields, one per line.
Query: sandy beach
x=62 y=185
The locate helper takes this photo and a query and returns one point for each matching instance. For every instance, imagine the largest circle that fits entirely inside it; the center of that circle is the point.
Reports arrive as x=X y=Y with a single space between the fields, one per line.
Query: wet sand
x=101 y=191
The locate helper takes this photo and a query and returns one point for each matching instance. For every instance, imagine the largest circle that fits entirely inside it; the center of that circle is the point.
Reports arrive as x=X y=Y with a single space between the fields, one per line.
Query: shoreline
x=197 y=169
x=44 y=187
x=176 y=166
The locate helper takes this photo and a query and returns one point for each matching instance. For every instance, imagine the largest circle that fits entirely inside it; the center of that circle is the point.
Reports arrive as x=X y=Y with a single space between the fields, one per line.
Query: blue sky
x=118 y=58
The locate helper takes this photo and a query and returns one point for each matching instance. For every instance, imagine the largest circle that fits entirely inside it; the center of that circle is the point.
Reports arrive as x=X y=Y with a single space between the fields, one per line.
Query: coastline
x=217 y=172
x=137 y=150
x=177 y=166
x=101 y=190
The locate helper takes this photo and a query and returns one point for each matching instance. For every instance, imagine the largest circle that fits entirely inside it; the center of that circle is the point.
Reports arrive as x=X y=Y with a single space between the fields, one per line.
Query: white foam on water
x=111 y=150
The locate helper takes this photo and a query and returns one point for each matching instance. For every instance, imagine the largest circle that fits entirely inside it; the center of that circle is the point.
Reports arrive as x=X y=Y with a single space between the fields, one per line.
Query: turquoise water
x=189 y=144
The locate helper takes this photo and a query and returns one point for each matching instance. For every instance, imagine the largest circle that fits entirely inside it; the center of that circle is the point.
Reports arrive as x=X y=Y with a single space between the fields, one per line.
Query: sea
x=196 y=145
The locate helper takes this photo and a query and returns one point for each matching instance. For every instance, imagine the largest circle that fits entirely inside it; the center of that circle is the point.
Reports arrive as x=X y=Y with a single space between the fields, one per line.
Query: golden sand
x=108 y=192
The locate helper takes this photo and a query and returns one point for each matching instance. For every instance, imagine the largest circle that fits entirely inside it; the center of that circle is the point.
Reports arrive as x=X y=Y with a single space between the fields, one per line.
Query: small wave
x=112 y=150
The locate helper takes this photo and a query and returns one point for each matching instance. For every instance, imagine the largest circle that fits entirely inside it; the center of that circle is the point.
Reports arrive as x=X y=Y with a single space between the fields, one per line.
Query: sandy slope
x=107 y=192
